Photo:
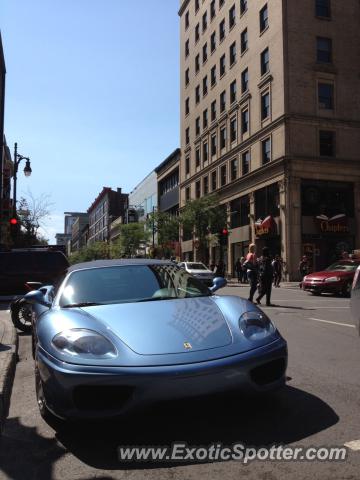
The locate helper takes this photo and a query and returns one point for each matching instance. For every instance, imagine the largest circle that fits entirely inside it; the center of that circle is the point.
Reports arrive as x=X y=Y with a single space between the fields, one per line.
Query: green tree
x=167 y=228
x=203 y=217
x=32 y=214
x=132 y=235
x=93 y=251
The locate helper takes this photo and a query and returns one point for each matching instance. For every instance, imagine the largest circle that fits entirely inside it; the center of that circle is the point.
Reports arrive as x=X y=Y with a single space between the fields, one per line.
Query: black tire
x=317 y=294
x=21 y=314
x=346 y=291
x=55 y=422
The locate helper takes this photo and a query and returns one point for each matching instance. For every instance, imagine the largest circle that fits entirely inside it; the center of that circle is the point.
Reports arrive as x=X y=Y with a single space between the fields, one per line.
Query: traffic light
x=13 y=221
x=223 y=236
x=14 y=227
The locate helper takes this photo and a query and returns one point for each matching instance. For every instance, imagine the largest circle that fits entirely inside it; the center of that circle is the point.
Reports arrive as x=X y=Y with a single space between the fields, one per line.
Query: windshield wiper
x=153 y=299
x=81 y=304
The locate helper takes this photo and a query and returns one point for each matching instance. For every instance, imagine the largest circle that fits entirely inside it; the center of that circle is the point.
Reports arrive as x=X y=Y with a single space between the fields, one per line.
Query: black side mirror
x=36 y=296
x=218 y=282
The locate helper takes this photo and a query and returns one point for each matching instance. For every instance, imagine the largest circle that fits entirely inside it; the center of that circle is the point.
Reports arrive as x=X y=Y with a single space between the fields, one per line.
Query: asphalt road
x=319 y=407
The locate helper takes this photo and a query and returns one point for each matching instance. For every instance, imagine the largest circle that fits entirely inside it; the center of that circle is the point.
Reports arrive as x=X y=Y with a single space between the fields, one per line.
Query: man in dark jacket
x=266 y=274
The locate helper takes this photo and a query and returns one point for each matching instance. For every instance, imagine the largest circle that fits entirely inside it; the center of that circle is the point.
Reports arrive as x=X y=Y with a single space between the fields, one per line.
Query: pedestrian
x=238 y=270
x=251 y=270
x=277 y=268
x=219 y=270
x=304 y=268
x=266 y=274
x=243 y=270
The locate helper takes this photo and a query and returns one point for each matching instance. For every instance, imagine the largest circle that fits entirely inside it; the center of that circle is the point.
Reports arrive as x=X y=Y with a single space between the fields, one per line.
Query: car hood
x=200 y=272
x=165 y=326
x=327 y=274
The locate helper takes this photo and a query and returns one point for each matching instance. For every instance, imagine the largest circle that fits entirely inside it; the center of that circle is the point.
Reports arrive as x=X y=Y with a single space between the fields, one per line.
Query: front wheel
x=21 y=314
x=346 y=291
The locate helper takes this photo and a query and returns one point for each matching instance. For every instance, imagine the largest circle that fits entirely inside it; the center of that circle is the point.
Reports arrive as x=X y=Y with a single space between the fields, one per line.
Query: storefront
x=328 y=223
x=267 y=235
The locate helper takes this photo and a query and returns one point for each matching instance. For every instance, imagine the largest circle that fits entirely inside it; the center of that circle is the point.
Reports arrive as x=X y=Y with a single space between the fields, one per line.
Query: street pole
x=15 y=179
x=153 y=227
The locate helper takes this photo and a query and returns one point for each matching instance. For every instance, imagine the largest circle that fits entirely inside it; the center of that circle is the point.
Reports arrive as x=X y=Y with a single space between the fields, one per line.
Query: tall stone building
x=270 y=121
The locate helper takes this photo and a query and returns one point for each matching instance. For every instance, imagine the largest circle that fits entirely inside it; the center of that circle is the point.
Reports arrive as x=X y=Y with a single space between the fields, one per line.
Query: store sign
x=336 y=224
x=265 y=227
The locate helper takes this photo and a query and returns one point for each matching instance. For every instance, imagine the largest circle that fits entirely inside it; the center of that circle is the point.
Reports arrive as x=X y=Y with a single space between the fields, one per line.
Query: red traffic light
x=13 y=221
x=225 y=231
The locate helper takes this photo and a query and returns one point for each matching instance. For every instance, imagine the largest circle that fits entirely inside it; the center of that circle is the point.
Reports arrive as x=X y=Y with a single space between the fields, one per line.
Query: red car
x=335 y=279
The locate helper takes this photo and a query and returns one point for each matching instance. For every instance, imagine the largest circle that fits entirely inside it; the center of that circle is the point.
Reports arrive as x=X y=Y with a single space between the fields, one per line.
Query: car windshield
x=196 y=266
x=129 y=283
x=344 y=267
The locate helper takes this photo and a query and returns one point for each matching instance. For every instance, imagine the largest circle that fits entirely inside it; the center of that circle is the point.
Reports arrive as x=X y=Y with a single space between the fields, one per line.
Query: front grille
x=269 y=372
x=101 y=397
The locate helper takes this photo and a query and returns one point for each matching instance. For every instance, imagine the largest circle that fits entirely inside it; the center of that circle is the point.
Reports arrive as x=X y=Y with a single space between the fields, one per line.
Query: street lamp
x=27 y=172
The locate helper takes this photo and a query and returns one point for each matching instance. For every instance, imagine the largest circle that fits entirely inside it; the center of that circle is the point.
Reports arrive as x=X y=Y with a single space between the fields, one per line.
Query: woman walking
x=251 y=270
x=266 y=274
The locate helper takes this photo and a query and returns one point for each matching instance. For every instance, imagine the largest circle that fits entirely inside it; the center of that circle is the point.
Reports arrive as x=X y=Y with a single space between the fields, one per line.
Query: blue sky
x=92 y=94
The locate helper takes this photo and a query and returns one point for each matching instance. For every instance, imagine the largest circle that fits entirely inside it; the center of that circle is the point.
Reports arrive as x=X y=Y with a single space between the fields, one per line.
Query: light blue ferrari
x=115 y=334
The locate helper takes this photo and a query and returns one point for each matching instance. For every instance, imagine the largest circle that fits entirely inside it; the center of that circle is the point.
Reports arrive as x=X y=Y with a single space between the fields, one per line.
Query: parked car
x=198 y=270
x=117 y=334
x=29 y=265
x=355 y=299
x=337 y=278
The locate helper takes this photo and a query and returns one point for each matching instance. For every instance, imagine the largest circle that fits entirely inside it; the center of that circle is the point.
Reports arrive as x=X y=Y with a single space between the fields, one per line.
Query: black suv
x=29 y=265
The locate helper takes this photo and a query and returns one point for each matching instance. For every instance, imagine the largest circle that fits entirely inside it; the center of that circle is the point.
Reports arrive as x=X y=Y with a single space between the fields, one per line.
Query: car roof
x=118 y=262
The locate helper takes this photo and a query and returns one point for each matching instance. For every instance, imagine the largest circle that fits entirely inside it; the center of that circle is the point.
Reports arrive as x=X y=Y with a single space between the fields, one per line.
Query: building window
x=222 y=138
x=234 y=169
x=187 y=194
x=206 y=185
x=326 y=96
x=222 y=30
x=323 y=8
x=223 y=175
x=204 y=22
x=267 y=201
x=264 y=18
x=197 y=32
x=187 y=106
x=187 y=77
x=187 y=20
x=266 y=150
x=197 y=189
x=233 y=129
x=197 y=5
x=221 y=3
x=204 y=52
x=187 y=49
x=245 y=162
x=205 y=118
x=197 y=94
x=327 y=143
x=244 y=40
x=197 y=63
x=213 y=110
x=187 y=136
x=213 y=180
x=197 y=126
x=205 y=86
x=213 y=42
x=222 y=101
x=213 y=145
x=232 y=16
x=244 y=80
x=245 y=120
x=265 y=106
x=243 y=6
x=187 y=165
x=232 y=51
x=212 y=9
x=222 y=65
x=197 y=157
x=205 y=152
x=324 y=50
x=233 y=91
x=213 y=75
x=264 y=61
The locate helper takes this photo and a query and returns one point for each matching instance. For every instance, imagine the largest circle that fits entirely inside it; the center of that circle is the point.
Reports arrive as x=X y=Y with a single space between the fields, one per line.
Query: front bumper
x=323 y=287
x=74 y=391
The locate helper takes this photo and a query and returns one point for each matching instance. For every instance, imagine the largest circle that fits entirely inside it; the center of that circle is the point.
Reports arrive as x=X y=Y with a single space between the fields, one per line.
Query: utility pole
x=153 y=226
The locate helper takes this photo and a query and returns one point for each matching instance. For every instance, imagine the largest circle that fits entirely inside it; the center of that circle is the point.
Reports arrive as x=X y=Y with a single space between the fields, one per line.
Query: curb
x=8 y=358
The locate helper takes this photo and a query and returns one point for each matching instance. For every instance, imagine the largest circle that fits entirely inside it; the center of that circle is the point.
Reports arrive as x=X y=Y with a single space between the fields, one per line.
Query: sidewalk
x=233 y=282
x=8 y=356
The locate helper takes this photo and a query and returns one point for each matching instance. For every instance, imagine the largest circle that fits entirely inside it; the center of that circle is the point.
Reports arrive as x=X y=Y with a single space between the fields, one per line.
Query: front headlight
x=332 y=279
x=256 y=325
x=85 y=343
